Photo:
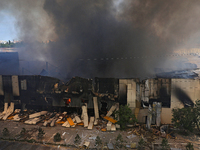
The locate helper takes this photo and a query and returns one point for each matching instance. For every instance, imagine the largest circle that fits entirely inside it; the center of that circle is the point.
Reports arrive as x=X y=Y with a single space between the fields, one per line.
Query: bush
x=23 y=131
x=57 y=137
x=98 y=141
x=186 y=118
x=119 y=142
x=77 y=139
x=40 y=133
x=125 y=116
x=189 y=146
x=165 y=145
x=31 y=141
x=141 y=144
x=5 y=132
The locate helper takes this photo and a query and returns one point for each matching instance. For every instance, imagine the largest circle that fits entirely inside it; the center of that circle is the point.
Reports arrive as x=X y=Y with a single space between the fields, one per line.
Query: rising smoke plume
x=105 y=38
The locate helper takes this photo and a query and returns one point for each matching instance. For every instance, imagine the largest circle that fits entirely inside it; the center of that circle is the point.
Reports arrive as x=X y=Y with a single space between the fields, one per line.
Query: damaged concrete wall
x=131 y=91
x=182 y=92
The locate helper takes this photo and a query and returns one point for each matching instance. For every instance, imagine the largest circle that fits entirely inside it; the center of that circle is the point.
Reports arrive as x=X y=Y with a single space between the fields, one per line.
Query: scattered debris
x=71 y=123
x=86 y=145
x=109 y=124
x=133 y=145
x=131 y=136
x=110 y=119
x=110 y=146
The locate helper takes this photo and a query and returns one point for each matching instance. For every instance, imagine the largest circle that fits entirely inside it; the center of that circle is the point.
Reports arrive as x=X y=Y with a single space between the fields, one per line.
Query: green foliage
x=57 y=137
x=141 y=144
x=77 y=139
x=119 y=142
x=125 y=116
x=5 y=132
x=8 y=44
x=98 y=141
x=31 y=141
x=189 y=146
x=165 y=145
x=186 y=118
x=40 y=133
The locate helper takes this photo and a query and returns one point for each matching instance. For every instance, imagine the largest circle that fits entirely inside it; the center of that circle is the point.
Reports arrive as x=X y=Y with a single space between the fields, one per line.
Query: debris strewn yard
x=26 y=128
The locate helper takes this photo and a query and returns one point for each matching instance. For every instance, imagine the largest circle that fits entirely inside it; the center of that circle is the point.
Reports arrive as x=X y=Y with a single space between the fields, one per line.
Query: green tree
x=77 y=139
x=186 y=118
x=189 y=146
x=165 y=145
x=57 y=137
x=141 y=144
x=98 y=141
x=40 y=133
x=5 y=132
x=125 y=116
x=119 y=142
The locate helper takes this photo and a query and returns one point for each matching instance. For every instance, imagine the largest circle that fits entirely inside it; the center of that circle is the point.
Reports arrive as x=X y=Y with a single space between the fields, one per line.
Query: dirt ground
x=68 y=136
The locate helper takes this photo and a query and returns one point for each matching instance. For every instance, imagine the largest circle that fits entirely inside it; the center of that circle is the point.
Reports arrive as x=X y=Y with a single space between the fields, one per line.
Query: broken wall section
x=129 y=91
x=156 y=90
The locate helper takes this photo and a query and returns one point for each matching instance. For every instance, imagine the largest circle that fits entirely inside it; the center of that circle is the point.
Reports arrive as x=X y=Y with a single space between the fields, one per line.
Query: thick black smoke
x=172 y=19
x=92 y=31
x=116 y=38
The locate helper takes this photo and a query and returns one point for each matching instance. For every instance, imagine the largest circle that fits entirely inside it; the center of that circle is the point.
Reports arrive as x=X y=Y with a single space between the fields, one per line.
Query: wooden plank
x=96 y=110
x=114 y=106
x=78 y=120
x=28 y=121
x=80 y=124
x=36 y=120
x=48 y=121
x=113 y=127
x=61 y=117
x=85 y=115
x=109 y=124
x=37 y=114
x=5 y=107
x=85 y=120
x=70 y=121
x=66 y=124
x=15 y=86
x=9 y=111
x=6 y=115
x=16 y=117
x=90 y=126
x=74 y=120
x=96 y=122
x=110 y=119
x=53 y=122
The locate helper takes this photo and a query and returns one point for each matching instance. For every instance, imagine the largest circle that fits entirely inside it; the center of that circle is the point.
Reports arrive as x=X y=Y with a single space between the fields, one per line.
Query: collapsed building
x=50 y=92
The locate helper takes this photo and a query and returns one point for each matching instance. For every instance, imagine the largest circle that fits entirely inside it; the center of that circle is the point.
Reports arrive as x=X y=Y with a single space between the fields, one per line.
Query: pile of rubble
x=150 y=133
x=71 y=120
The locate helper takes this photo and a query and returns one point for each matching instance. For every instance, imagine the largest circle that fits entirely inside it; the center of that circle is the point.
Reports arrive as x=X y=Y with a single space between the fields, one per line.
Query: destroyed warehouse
x=43 y=91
